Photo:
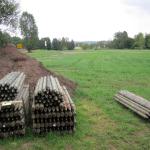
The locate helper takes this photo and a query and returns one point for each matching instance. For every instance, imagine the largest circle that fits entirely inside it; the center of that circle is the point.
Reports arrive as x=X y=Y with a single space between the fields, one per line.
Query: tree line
x=9 y=17
x=121 y=40
x=56 y=44
x=43 y=43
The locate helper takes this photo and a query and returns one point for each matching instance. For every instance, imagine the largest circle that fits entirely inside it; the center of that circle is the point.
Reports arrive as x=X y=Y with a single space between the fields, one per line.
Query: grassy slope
x=101 y=122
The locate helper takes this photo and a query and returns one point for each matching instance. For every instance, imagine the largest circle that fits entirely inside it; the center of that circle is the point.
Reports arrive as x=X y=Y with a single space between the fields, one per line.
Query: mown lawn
x=102 y=123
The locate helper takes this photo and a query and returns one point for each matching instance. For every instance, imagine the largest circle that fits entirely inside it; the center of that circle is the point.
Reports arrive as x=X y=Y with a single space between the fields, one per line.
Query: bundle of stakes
x=136 y=103
x=52 y=108
x=10 y=85
x=12 y=114
x=48 y=91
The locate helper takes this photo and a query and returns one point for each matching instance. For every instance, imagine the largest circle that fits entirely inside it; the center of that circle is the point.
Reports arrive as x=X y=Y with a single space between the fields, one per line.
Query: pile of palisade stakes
x=52 y=108
x=14 y=97
x=136 y=103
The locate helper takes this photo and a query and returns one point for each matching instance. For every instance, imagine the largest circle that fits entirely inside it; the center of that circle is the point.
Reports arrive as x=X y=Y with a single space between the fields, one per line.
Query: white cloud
x=86 y=19
x=142 y=5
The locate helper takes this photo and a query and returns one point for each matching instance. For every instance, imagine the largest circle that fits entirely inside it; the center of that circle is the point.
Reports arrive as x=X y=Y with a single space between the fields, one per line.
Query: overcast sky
x=88 y=19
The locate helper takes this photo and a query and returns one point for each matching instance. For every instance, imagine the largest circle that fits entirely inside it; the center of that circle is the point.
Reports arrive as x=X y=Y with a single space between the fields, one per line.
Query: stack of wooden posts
x=136 y=103
x=52 y=108
x=14 y=97
x=10 y=85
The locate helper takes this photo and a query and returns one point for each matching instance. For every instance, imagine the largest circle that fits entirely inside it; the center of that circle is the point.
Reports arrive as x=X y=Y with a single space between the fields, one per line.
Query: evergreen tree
x=71 y=45
x=56 y=44
x=64 y=43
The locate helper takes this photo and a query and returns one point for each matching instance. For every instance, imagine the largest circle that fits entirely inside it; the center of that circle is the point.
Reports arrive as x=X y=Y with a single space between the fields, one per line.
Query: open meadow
x=102 y=123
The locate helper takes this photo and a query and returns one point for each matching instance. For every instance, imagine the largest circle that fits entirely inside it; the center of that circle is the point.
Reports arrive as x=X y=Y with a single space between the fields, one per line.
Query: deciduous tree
x=139 y=41
x=4 y=39
x=29 y=30
x=9 y=12
x=42 y=43
x=120 y=40
x=16 y=40
x=147 y=41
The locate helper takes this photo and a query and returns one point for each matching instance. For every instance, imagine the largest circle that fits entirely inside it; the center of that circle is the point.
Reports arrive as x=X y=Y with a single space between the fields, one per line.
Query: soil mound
x=12 y=60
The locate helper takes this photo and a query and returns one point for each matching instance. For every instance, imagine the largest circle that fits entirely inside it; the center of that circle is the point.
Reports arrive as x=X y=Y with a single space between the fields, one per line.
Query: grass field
x=102 y=123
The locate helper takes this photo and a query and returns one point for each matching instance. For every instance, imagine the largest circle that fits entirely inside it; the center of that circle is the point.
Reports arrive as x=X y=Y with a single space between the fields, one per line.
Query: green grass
x=102 y=123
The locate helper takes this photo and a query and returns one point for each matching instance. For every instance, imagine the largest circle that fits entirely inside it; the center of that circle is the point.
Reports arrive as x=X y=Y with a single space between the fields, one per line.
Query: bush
x=4 y=39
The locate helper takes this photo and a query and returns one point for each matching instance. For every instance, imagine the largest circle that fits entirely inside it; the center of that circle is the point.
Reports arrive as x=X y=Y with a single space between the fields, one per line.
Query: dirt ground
x=12 y=60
